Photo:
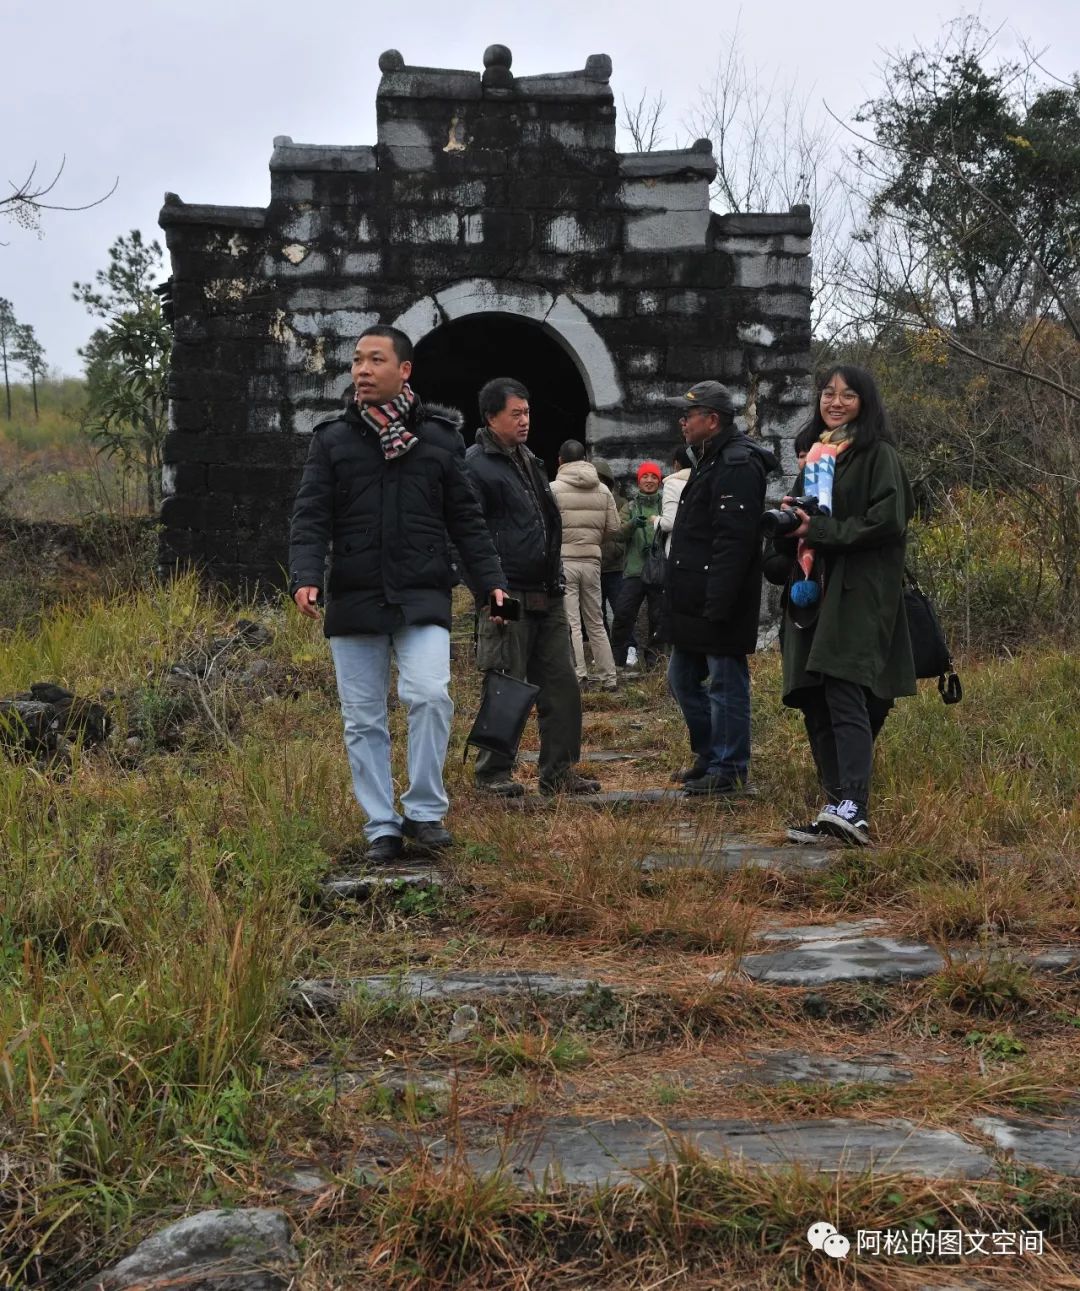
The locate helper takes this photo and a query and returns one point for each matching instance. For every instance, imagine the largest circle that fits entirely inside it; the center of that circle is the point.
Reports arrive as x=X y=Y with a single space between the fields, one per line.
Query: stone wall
x=484 y=194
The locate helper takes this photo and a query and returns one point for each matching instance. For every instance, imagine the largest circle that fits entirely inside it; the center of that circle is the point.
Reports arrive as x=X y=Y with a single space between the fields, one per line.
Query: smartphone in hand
x=509 y=610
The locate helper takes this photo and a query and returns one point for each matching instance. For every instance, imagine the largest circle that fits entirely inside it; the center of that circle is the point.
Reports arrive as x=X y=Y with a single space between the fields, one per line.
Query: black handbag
x=505 y=705
x=654 y=570
x=929 y=648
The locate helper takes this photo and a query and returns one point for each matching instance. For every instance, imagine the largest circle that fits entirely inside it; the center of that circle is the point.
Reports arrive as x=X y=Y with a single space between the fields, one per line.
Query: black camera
x=778 y=524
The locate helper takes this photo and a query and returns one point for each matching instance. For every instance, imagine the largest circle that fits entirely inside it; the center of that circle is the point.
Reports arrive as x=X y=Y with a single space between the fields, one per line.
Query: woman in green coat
x=848 y=656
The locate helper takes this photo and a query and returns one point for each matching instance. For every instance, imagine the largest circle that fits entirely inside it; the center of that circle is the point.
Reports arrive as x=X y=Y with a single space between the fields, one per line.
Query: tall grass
x=152 y=913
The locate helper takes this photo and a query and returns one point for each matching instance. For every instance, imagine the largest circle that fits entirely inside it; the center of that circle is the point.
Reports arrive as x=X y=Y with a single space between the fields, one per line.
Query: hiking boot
x=609 y=687
x=502 y=787
x=427 y=836
x=718 y=786
x=695 y=771
x=847 y=821
x=571 y=782
x=811 y=833
x=384 y=850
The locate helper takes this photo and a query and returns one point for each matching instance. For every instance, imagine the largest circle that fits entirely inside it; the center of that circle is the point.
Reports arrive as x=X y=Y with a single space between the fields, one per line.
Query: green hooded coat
x=860 y=633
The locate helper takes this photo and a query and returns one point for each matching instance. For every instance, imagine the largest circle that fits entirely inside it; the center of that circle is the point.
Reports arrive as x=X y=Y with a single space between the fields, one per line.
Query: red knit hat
x=649 y=468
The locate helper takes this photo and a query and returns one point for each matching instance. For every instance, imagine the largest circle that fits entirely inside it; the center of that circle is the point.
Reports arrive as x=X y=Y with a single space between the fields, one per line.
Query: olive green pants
x=536 y=649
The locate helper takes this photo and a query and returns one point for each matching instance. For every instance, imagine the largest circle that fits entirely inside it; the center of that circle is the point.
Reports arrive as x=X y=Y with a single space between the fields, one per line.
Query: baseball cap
x=706 y=394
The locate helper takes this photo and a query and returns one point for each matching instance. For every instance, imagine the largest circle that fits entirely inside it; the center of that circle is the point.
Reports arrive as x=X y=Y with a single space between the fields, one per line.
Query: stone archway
x=456 y=359
x=561 y=317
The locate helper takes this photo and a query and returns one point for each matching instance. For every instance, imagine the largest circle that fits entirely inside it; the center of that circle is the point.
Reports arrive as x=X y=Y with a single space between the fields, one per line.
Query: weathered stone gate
x=494 y=222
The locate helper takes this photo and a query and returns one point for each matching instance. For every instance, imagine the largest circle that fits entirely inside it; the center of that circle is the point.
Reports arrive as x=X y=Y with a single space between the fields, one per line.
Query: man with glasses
x=713 y=588
x=526 y=527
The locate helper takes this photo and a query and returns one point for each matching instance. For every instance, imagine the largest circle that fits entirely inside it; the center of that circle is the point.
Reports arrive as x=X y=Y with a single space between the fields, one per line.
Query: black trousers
x=842 y=721
x=631 y=595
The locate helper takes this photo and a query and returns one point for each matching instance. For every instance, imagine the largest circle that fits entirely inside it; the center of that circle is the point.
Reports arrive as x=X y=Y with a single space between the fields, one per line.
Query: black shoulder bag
x=928 y=645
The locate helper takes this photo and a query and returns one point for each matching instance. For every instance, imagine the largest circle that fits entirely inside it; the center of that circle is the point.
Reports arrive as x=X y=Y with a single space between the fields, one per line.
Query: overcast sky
x=187 y=95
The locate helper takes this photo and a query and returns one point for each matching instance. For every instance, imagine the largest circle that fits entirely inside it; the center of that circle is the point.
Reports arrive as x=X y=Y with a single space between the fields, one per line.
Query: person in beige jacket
x=589 y=518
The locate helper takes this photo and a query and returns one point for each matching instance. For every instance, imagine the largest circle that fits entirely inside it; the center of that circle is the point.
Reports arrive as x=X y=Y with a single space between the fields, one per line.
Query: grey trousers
x=536 y=649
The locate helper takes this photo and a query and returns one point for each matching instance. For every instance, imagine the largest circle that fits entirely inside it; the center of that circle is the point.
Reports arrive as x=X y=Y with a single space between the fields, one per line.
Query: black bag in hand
x=928 y=645
x=505 y=706
x=654 y=570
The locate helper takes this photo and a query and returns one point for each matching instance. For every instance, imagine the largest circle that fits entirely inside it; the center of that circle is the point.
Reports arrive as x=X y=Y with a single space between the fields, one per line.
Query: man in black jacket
x=526 y=527
x=384 y=486
x=713 y=588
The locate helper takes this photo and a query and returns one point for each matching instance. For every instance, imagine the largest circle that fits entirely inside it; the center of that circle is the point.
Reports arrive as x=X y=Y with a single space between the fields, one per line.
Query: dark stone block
x=195 y=511
x=188 y=477
x=534 y=159
x=713 y=269
x=500 y=231
x=698 y=363
x=555 y=192
x=757 y=226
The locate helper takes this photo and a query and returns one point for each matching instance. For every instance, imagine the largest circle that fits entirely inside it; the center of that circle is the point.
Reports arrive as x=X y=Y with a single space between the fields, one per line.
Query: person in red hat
x=638 y=531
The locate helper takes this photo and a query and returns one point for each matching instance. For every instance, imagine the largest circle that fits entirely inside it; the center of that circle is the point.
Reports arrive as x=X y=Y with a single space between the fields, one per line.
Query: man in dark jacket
x=384 y=486
x=713 y=589
x=526 y=527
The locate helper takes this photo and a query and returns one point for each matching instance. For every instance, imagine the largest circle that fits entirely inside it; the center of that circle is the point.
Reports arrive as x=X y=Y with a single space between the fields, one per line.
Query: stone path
x=842 y=952
x=360 y=885
x=1046 y=1145
x=324 y=993
x=580 y=1151
x=738 y=855
x=788 y=1066
x=577 y=1149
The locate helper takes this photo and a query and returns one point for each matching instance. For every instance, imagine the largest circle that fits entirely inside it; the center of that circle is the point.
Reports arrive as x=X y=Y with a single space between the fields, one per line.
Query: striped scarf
x=388 y=420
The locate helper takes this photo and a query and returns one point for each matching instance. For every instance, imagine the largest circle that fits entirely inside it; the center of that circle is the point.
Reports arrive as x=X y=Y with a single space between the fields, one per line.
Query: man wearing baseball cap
x=713 y=587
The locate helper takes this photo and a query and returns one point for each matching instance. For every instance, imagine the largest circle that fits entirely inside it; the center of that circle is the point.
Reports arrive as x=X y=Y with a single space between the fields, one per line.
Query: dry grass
x=154 y=908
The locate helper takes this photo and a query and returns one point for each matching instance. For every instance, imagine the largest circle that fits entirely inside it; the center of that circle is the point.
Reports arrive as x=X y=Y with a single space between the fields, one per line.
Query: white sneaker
x=631 y=657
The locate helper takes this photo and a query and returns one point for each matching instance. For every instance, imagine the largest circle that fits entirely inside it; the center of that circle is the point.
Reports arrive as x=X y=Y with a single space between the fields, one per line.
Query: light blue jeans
x=362 y=665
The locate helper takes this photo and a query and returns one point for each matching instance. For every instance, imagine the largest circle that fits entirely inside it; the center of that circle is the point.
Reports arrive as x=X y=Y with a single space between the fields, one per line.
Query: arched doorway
x=457 y=358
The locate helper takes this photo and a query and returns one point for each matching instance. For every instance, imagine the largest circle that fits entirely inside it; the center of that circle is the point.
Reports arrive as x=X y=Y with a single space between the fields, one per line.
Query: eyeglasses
x=694 y=412
x=845 y=396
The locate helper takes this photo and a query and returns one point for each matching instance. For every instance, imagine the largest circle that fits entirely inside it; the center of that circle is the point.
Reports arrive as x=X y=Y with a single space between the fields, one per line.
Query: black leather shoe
x=427 y=835
x=719 y=786
x=385 y=849
x=569 y=783
x=695 y=771
x=506 y=787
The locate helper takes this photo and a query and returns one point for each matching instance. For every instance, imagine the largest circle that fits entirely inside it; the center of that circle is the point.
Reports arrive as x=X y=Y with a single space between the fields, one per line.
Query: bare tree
x=643 y=123
x=27 y=199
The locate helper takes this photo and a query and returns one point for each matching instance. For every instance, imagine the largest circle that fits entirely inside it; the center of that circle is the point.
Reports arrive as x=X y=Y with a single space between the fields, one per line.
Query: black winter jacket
x=529 y=557
x=713 y=588
x=387 y=524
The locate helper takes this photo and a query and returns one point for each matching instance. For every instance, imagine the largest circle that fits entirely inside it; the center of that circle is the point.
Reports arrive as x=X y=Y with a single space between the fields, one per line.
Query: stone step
x=741 y=855
x=789 y=1066
x=327 y=993
x=1053 y=1145
x=603 y=1152
x=360 y=885
x=842 y=952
